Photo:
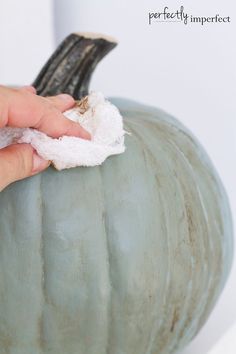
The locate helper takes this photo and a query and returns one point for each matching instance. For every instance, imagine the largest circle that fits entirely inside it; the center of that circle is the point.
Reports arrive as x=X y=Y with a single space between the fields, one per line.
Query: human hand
x=22 y=108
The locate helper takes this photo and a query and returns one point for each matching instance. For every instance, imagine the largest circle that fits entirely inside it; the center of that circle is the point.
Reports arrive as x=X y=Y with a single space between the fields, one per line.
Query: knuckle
x=16 y=163
x=3 y=111
x=19 y=160
x=3 y=114
x=24 y=159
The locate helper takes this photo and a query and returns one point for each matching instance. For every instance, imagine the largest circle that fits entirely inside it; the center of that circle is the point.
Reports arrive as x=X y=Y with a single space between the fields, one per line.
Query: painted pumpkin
x=125 y=258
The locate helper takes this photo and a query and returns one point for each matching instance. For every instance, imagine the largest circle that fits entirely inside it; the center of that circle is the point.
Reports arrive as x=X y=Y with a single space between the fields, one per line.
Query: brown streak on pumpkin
x=191 y=226
x=174 y=319
x=41 y=340
x=6 y=342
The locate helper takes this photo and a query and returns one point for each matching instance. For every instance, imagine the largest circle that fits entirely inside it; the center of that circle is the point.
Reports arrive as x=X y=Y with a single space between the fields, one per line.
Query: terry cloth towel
x=98 y=116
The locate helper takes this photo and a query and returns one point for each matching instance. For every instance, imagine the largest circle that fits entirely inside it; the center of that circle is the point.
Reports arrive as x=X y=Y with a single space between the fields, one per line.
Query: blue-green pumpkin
x=128 y=257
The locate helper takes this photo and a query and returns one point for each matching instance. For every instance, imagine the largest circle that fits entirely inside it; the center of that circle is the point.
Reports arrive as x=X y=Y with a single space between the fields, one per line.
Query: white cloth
x=100 y=118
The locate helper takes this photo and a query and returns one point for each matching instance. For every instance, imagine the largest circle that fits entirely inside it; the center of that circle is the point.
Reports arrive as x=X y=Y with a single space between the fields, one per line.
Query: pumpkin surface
x=128 y=257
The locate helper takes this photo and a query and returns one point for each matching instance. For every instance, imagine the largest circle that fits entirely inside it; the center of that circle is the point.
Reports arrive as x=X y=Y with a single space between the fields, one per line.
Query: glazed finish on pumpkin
x=126 y=258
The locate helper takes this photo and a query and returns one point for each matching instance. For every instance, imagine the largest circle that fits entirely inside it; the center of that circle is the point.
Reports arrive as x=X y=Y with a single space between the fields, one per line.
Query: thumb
x=19 y=161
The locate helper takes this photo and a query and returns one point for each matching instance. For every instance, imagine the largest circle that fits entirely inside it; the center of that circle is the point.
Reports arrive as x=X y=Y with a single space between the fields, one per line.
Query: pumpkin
x=124 y=258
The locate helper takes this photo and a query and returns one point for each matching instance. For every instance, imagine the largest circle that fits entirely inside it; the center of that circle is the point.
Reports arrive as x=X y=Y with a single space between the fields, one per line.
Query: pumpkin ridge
x=206 y=163
x=158 y=323
x=219 y=239
x=141 y=137
x=189 y=293
x=200 y=308
x=42 y=256
x=109 y=312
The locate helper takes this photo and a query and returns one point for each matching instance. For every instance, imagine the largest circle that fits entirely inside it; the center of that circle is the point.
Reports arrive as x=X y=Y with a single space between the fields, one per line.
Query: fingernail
x=39 y=163
x=65 y=97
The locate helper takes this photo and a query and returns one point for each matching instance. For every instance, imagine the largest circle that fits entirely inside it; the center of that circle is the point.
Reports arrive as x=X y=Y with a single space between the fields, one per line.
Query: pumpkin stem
x=71 y=66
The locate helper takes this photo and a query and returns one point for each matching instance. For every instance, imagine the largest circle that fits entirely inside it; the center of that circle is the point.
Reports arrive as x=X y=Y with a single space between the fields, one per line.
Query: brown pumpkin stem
x=71 y=66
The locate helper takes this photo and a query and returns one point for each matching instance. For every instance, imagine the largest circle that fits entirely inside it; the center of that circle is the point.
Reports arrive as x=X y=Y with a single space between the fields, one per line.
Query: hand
x=22 y=108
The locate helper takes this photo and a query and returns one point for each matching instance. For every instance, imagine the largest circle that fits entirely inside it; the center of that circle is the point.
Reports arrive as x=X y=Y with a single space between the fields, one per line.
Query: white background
x=187 y=70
